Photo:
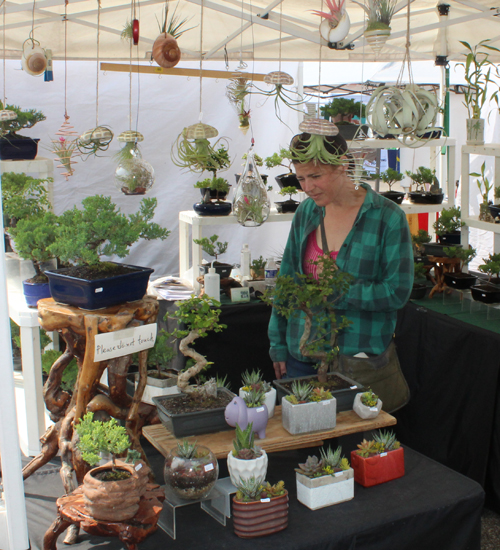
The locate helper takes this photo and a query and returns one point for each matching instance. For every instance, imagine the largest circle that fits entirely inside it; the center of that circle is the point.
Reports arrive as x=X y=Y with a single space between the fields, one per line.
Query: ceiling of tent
x=234 y=29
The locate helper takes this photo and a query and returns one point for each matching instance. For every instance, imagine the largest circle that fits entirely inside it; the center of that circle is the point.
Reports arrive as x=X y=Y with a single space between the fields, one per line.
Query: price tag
x=265 y=500
x=373 y=409
x=97 y=290
x=209 y=467
x=259 y=409
x=383 y=454
x=338 y=474
x=138 y=467
x=325 y=402
x=354 y=387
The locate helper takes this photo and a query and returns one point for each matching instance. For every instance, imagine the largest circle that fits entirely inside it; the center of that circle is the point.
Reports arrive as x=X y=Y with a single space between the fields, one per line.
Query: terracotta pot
x=115 y=500
x=377 y=469
x=260 y=518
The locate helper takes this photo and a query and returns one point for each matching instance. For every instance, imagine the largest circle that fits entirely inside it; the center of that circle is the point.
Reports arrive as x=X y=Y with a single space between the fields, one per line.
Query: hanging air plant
x=237 y=91
x=133 y=175
x=378 y=27
x=336 y=24
x=166 y=51
x=193 y=150
x=64 y=147
x=313 y=149
x=94 y=140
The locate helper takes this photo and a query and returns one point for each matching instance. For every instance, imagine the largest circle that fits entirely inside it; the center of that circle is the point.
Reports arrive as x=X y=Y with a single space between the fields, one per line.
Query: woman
x=369 y=237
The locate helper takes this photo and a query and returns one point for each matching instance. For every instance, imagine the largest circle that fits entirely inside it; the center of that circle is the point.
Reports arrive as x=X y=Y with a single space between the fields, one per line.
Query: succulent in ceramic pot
x=246 y=460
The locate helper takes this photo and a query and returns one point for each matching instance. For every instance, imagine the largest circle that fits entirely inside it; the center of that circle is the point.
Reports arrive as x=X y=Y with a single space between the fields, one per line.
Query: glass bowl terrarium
x=190 y=471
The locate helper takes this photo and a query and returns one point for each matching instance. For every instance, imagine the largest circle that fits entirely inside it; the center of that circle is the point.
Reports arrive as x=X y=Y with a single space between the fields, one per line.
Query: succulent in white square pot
x=325 y=481
x=367 y=404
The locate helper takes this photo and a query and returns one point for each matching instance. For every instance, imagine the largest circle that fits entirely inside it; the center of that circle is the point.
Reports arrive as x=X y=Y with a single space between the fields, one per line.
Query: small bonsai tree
x=197 y=316
x=491 y=266
x=278 y=159
x=341 y=110
x=288 y=191
x=317 y=300
x=419 y=271
x=390 y=177
x=100 y=229
x=419 y=240
x=422 y=177
x=449 y=221
x=25 y=119
x=484 y=186
x=219 y=185
x=257 y=268
x=212 y=246
x=160 y=355
x=465 y=255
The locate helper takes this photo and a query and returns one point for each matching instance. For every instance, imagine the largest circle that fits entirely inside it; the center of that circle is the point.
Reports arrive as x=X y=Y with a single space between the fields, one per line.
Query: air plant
x=172 y=25
x=95 y=140
x=313 y=148
x=64 y=150
x=130 y=150
x=237 y=90
x=379 y=13
x=335 y=14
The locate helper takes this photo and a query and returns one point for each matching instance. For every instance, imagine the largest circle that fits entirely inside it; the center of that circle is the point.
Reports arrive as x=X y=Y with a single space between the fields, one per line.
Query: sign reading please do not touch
x=124 y=342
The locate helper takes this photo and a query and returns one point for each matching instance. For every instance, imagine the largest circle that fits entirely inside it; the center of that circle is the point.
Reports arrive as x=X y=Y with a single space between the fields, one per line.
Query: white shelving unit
x=487 y=150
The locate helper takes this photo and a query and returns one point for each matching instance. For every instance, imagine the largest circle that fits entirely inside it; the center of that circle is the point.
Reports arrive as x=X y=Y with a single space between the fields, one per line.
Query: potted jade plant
x=379 y=460
x=213 y=191
x=426 y=190
x=378 y=27
x=290 y=205
x=246 y=460
x=200 y=407
x=278 y=159
x=190 y=471
x=100 y=229
x=12 y=145
x=390 y=177
x=327 y=481
x=253 y=380
x=367 y=404
x=487 y=291
x=215 y=248
x=484 y=186
x=341 y=110
x=259 y=508
x=459 y=279
x=111 y=492
x=249 y=410
x=448 y=225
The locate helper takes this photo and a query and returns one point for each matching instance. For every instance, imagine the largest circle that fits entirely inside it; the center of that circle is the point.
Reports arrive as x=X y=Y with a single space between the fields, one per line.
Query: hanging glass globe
x=134 y=176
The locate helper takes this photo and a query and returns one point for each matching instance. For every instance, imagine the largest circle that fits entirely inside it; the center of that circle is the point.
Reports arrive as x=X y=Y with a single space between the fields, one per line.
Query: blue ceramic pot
x=35 y=291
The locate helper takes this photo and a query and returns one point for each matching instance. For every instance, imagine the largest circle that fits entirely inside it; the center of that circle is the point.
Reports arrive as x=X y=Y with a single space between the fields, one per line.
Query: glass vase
x=251 y=204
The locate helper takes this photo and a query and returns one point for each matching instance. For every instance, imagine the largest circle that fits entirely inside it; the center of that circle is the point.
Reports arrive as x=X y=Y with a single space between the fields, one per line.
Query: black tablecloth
x=431 y=507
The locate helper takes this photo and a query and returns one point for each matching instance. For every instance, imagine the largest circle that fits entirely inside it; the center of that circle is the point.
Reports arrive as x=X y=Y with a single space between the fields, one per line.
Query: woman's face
x=321 y=182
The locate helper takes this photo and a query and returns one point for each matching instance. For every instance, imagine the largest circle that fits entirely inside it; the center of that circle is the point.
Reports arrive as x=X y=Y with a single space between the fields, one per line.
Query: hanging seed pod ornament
x=94 y=140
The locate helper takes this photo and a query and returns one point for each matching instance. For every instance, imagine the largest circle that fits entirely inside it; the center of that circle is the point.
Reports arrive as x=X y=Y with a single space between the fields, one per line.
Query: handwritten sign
x=124 y=342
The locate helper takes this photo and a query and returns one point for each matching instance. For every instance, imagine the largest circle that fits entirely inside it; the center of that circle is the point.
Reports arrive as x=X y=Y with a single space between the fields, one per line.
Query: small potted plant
x=484 y=186
x=100 y=229
x=367 y=404
x=253 y=380
x=495 y=208
x=427 y=190
x=378 y=27
x=246 y=460
x=448 y=225
x=111 y=492
x=488 y=292
x=278 y=159
x=390 y=177
x=325 y=481
x=341 y=110
x=289 y=205
x=308 y=409
x=459 y=279
x=419 y=276
x=419 y=240
x=249 y=410
x=379 y=460
x=190 y=471
x=214 y=248
x=259 y=509
x=257 y=268
x=12 y=145
x=213 y=191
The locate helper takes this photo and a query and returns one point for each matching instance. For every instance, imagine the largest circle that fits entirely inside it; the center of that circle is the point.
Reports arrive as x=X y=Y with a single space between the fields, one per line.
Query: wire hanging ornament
x=5 y=114
x=65 y=146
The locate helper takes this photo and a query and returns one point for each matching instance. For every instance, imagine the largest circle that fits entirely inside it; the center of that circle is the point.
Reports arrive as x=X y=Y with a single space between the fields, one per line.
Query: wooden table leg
x=53 y=532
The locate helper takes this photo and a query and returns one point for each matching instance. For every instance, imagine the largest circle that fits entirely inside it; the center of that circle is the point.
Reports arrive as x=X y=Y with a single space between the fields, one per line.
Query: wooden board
x=277 y=438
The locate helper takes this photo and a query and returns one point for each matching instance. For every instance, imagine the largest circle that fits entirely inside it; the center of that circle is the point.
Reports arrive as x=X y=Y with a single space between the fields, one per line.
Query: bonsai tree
x=257 y=268
x=341 y=110
x=422 y=177
x=290 y=190
x=212 y=246
x=278 y=159
x=491 y=266
x=100 y=229
x=449 y=221
x=484 y=186
x=33 y=238
x=197 y=317
x=160 y=355
x=219 y=185
x=25 y=119
x=497 y=194
x=317 y=300
x=465 y=255
x=419 y=271
x=390 y=177
x=419 y=240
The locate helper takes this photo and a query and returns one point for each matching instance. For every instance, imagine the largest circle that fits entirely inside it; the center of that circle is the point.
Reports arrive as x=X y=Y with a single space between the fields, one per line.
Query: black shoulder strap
x=324 y=243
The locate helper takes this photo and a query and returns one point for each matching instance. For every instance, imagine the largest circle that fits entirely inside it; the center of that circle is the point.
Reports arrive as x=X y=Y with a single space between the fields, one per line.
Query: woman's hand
x=279 y=369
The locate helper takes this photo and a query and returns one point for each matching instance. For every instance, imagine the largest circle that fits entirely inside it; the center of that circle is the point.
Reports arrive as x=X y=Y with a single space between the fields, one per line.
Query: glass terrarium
x=251 y=204
x=134 y=176
x=190 y=471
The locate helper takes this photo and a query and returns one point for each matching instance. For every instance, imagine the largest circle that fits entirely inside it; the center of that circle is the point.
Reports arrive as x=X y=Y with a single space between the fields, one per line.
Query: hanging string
x=201 y=60
x=138 y=75
x=3 y=18
x=33 y=25
x=97 y=75
x=406 y=58
x=65 y=57
x=319 y=68
x=281 y=15
x=130 y=81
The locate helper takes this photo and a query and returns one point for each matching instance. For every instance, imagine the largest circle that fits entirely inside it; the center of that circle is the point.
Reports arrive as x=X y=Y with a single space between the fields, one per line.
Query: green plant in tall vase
x=484 y=186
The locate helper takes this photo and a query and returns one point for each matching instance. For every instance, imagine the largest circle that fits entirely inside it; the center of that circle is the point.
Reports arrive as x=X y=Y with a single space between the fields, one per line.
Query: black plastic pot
x=224 y=270
x=99 y=293
x=425 y=197
x=495 y=210
x=460 y=281
x=288 y=180
x=193 y=423
x=394 y=196
x=418 y=291
x=213 y=194
x=286 y=207
x=18 y=148
x=213 y=208
x=450 y=239
x=344 y=397
x=486 y=292
x=437 y=249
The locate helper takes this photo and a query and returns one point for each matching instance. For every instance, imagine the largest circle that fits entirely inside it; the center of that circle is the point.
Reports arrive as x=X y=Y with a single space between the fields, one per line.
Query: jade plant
x=211 y=246
x=390 y=177
x=25 y=119
x=329 y=463
x=316 y=301
x=100 y=229
x=465 y=255
x=253 y=489
x=342 y=110
x=278 y=159
x=449 y=221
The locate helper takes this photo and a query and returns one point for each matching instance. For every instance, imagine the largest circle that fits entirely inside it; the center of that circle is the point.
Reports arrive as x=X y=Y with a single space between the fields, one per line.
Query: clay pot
x=166 y=52
x=260 y=518
x=115 y=500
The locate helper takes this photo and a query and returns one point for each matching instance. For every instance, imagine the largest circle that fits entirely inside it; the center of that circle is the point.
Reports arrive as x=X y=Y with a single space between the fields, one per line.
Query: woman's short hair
x=334 y=145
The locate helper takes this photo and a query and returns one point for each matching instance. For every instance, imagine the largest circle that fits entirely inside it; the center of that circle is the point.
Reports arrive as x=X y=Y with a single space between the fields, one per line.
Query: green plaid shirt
x=378 y=253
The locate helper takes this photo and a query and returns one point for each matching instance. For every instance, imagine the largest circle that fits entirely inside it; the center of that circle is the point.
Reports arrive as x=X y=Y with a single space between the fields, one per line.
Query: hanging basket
x=377 y=38
x=130 y=136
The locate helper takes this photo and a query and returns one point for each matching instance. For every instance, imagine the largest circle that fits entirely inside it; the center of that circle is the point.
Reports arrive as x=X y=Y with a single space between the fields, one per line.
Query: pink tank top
x=312 y=253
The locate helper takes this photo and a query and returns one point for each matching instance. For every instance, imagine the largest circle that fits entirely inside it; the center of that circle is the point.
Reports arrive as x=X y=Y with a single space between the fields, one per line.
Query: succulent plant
x=254 y=397
x=301 y=392
x=386 y=440
x=320 y=394
x=329 y=463
x=369 y=398
x=244 y=447
x=367 y=448
x=312 y=467
x=185 y=449
x=249 y=489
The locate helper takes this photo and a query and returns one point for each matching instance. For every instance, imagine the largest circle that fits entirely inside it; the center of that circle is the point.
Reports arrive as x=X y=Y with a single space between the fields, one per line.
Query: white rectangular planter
x=309 y=417
x=319 y=492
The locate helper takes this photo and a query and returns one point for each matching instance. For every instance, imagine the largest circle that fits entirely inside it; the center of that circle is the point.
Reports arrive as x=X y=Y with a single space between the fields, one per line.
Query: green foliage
x=313 y=149
x=483 y=184
x=161 y=354
x=199 y=154
x=465 y=255
x=33 y=238
x=254 y=379
x=133 y=456
x=254 y=397
x=25 y=119
x=421 y=237
x=343 y=106
x=316 y=299
x=369 y=398
x=220 y=185
x=491 y=266
x=172 y=25
x=290 y=190
x=258 y=159
x=378 y=12
x=70 y=373
x=23 y=196
x=252 y=489
x=449 y=221
x=419 y=270
x=423 y=176
x=185 y=449
x=277 y=159
x=100 y=229
x=320 y=394
x=100 y=437
x=330 y=463
x=199 y=314
x=258 y=264
x=391 y=176
x=383 y=441
x=244 y=447
x=301 y=392
x=212 y=246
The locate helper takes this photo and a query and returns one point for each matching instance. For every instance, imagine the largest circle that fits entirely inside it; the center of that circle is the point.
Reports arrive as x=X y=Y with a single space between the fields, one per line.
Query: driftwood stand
x=442 y=265
x=78 y=328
